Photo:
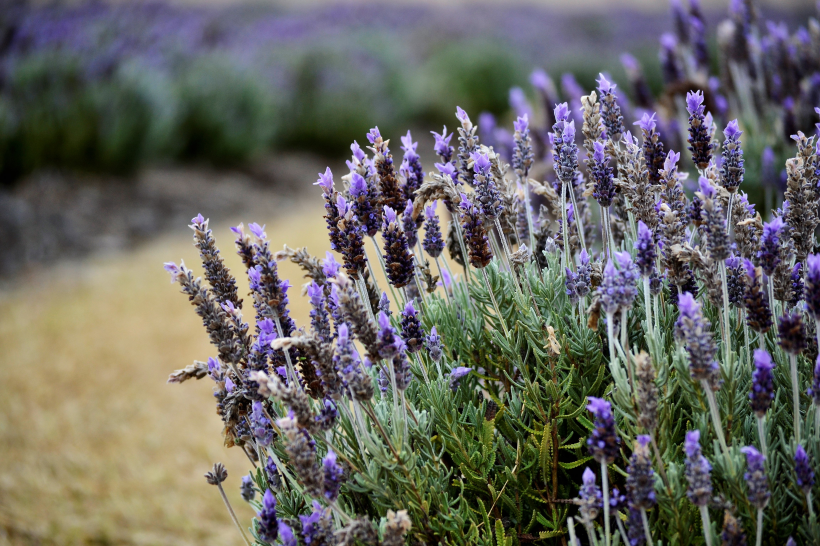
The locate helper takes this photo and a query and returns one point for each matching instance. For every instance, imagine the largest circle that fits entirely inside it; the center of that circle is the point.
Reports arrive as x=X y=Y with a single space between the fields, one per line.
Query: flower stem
x=530 y=225
x=761 y=432
x=795 y=395
x=759 y=535
x=707 y=524
x=578 y=223
x=646 y=304
x=605 y=487
x=233 y=515
x=727 y=330
x=384 y=267
x=715 y=414
x=565 y=225
x=646 y=527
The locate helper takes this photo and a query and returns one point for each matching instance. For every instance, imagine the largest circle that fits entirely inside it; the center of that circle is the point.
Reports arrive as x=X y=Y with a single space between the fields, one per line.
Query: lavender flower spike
x=762 y=392
x=755 y=476
x=700 y=138
x=475 y=234
x=646 y=250
x=694 y=332
x=412 y=332
x=433 y=242
x=814 y=390
x=640 y=480
x=769 y=253
x=731 y=171
x=803 y=471
x=333 y=476
x=698 y=471
x=268 y=529
x=589 y=498
x=397 y=257
x=811 y=286
x=601 y=175
x=457 y=374
x=610 y=111
x=604 y=443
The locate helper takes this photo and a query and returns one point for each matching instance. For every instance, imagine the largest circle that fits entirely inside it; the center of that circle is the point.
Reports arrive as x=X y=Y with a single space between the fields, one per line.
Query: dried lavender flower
x=756 y=481
x=390 y=192
x=732 y=533
x=814 y=390
x=434 y=345
x=223 y=285
x=522 y=155
x=604 y=442
x=398 y=524
x=640 y=479
x=700 y=139
x=260 y=425
x=358 y=531
x=758 y=313
x=693 y=330
x=646 y=393
x=217 y=475
x=698 y=471
x=791 y=333
x=301 y=450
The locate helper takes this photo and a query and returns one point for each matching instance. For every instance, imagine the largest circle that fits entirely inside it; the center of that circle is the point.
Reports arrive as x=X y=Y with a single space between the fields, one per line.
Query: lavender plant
x=471 y=413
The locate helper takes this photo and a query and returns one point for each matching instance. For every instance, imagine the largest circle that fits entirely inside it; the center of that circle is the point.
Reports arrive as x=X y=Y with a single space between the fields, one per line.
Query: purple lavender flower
x=364 y=200
x=433 y=242
x=653 y=152
x=731 y=171
x=694 y=332
x=698 y=471
x=401 y=367
x=397 y=257
x=272 y=474
x=769 y=253
x=608 y=291
x=333 y=476
x=601 y=174
x=755 y=476
x=791 y=333
x=579 y=284
x=700 y=139
x=329 y=413
x=523 y=155
x=604 y=443
x=797 y=284
x=346 y=360
x=610 y=111
x=565 y=151
x=646 y=250
x=286 y=535
x=434 y=345
x=700 y=50
x=762 y=392
x=714 y=220
x=475 y=234
x=268 y=525
x=409 y=225
x=319 y=318
x=457 y=374
x=411 y=330
x=628 y=279
x=260 y=425
x=802 y=468
x=388 y=341
x=589 y=498
x=350 y=243
x=390 y=193
x=670 y=61
x=811 y=287
x=331 y=211
x=246 y=489
x=413 y=166
x=442 y=146
x=486 y=196
x=330 y=267
x=640 y=479
x=317 y=528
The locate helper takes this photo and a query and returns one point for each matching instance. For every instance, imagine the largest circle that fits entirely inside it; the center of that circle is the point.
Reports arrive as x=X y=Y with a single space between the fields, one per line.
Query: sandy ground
x=95 y=446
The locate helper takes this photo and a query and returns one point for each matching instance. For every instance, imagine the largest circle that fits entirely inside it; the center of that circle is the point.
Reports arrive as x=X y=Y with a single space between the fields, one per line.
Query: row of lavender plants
x=598 y=357
x=108 y=88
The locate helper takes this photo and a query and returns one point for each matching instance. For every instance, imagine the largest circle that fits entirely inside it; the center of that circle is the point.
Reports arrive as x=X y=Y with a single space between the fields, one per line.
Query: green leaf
x=574 y=464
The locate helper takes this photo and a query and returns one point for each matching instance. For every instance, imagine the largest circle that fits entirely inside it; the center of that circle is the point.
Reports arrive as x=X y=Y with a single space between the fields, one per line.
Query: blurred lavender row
x=106 y=88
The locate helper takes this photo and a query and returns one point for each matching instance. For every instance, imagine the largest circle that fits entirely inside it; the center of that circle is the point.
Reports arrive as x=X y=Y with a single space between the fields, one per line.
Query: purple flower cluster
x=646 y=251
x=700 y=136
x=397 y=257
x=762 y=392
x=433 y=242
x=698 y=471
x=478 y=246
x=694 y=332
x=589 y=498
x=803 y=470
x=604 y=443
x=755 y=476
x=731 y=171
x=601 y=174
x=640 y=479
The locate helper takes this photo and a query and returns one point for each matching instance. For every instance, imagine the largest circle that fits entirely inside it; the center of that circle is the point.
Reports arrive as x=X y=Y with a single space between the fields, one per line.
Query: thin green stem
x=645 y=521
x=528 y=204
x=759 y=533
x=233 y=515
x=384 y=268
x=795 y=395
x=707 y=524
x=715 y=414
x=578 y=222
x=605 y=486
x=761 y=433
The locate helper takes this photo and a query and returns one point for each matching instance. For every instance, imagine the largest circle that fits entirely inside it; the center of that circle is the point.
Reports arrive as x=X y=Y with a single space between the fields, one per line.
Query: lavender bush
x=647 y=355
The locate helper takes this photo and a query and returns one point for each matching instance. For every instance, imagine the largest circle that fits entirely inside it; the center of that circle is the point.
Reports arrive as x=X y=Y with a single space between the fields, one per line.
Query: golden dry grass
x=95 y=447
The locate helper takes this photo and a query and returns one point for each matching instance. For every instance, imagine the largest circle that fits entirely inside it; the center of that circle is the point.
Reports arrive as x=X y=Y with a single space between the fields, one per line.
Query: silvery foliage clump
x=622 y=355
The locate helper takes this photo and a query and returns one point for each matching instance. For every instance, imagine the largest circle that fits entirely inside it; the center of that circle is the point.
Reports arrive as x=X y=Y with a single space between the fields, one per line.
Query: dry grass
x=95 y=446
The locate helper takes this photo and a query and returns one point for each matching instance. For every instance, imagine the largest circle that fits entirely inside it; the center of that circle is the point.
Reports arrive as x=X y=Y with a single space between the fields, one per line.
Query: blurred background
x=119 y=121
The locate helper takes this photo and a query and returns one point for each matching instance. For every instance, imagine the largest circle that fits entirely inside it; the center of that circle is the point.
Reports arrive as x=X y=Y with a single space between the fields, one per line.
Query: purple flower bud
x=374 y=135
x=814 y=390
x=397 y=257
x=442 y=145
x=791 y=333
x=330 y=267
x=317 y=528
x=601 y=174
x=700 y=138
x=762 y=392
x=475 y=234
x=604 y=443
x=433 y=242
x=456 y=375
x=589 y=498
x=561 y=112
x=387 y=337
x=604 y=85
x=647 y=122
x=802 y=468
x=411 y=330
x=434 y=345
x=646 y=250
x=447 y=169
x=521 y=124
x=755 y=476
x=268 y=528
x=769 y=253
